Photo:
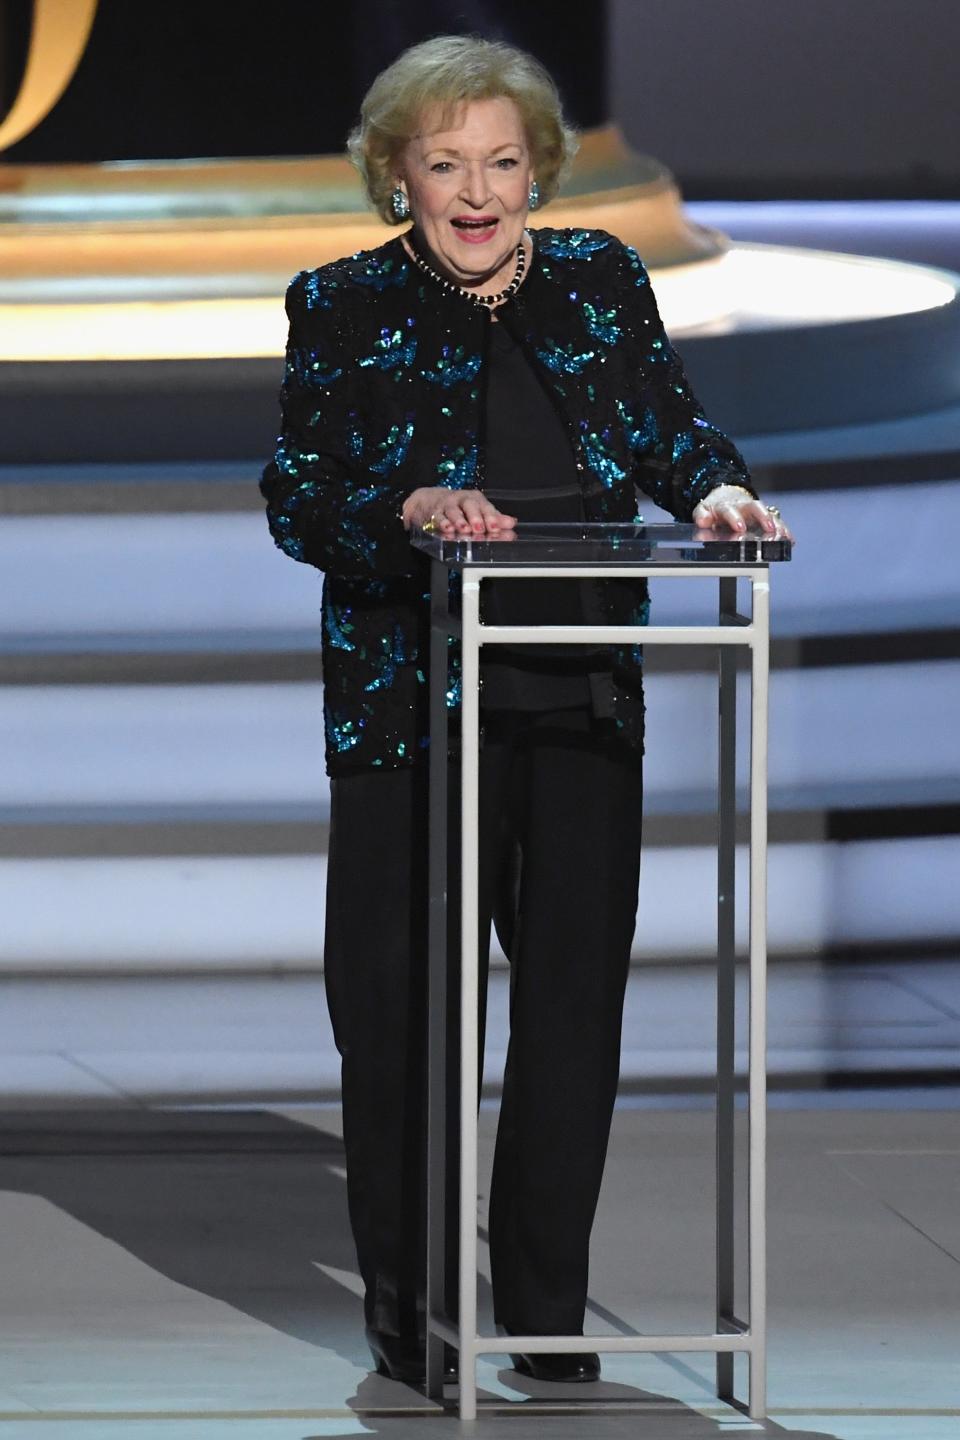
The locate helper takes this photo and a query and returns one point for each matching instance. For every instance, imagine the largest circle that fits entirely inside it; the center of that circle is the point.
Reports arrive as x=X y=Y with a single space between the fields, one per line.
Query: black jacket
x=383 y=393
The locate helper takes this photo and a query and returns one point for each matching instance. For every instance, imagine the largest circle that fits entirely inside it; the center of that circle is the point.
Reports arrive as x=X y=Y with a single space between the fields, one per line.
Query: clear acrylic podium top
x=587 y=543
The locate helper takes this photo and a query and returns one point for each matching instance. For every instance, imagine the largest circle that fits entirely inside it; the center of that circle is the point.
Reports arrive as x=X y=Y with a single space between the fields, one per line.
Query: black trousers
x=560 y=852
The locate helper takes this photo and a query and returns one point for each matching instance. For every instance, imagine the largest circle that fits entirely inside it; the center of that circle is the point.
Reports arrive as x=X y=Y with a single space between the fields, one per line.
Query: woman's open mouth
x=475 y=228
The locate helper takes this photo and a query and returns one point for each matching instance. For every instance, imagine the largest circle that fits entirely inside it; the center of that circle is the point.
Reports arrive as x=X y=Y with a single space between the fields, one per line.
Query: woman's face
x=468 y=190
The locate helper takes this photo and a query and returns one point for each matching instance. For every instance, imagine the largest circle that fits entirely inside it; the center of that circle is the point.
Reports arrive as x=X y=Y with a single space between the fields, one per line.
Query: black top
x=531 y=473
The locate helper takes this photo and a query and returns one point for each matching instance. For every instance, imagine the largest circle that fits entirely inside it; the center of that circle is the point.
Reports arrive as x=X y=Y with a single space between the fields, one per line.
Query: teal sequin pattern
x=453 y=367
x=366 y=495
x=640 y=276
x=573 y=244
x=312 y=370
x=630 y=657
x=338 y=626
x=641 y=436
x=285 y=518
x=564 y=359
x=454 y=693
x=597 y=453
x=457 y=469
x=343 y=732
x=380 y=272
x=393 y=450
x=601 y=324
x=319 y=290
x=392 y=653
x=393 y=350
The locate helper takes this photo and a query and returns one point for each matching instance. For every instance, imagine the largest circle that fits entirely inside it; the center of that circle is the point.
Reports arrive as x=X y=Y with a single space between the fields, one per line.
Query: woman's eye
x=507 y=162
x=440 y=167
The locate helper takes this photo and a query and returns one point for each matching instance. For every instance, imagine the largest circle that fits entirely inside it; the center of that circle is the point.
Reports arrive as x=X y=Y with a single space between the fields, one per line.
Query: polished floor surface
x=184 y=1270
x=189 y=1274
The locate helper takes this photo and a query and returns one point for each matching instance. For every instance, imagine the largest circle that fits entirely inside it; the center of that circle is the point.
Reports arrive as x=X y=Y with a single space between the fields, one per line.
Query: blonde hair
x=445 y=72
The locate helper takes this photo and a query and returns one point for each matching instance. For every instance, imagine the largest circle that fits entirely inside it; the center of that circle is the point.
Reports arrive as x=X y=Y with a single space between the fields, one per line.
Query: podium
x=600 y=551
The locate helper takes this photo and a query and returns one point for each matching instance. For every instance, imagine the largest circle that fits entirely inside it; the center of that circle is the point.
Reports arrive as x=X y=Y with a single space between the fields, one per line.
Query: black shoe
x=397 y=1358
x=451 y=1364
x=571 y=1369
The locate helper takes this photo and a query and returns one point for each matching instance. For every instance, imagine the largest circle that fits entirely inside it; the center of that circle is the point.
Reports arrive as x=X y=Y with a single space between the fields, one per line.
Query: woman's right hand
x=456 y=512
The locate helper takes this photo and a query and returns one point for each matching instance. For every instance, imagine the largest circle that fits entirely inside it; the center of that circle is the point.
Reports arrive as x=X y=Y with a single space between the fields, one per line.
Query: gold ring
x=772 y=510
x=429 y=526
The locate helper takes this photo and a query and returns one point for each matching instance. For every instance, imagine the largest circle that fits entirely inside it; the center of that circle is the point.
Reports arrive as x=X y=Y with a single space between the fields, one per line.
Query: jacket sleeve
x=324 y=506
x=680 y=455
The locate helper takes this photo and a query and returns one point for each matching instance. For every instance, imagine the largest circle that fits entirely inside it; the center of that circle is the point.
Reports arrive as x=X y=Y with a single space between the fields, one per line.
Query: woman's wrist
x=725 y=491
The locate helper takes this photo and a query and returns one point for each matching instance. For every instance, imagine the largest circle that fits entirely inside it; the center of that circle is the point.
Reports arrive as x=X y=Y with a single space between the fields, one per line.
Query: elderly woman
x=468 y=373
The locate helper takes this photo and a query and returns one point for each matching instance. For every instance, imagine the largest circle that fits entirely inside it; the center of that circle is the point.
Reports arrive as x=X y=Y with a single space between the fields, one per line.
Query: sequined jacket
x=383 y=392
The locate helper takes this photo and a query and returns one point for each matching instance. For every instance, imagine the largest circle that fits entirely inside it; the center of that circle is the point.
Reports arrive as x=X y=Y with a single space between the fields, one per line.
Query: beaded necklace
x=488 y=300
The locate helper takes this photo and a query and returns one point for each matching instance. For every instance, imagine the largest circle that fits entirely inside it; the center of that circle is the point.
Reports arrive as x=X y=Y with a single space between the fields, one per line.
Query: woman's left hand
x=729 y=507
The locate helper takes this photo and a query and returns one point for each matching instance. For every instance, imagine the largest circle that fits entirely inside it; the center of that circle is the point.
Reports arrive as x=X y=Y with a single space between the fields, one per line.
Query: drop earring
x=533 y=199
x=400 y=204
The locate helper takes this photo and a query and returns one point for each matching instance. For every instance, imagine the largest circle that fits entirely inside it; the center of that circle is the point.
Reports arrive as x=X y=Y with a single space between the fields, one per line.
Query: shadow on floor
x=240 y=1205
x=243 y=1206
x=551 y=1413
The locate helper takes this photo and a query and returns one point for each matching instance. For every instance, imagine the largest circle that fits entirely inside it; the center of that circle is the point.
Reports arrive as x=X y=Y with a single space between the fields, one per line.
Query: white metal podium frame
x=733 y=632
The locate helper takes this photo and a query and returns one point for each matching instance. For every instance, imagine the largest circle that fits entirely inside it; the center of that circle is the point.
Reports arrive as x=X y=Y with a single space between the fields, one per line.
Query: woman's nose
x=475 y=188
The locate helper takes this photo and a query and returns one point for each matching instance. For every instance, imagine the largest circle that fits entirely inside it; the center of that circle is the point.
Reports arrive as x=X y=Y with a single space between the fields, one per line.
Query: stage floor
x=190 y=1275
x=186 y=1272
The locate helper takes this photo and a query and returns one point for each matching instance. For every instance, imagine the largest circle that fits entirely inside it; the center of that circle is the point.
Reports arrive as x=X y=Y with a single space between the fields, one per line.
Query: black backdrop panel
x=177 y=79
